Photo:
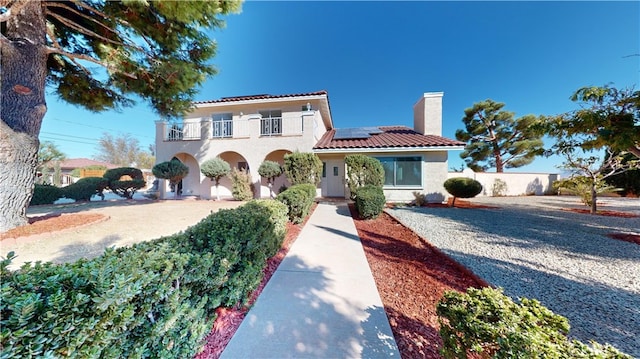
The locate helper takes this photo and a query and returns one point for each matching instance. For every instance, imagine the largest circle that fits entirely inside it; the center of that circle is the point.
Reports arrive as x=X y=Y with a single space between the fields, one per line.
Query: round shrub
x=173 y=170
x=463 y=187
x=270 y=170
x=215 y=169
x=124 y=181
x=370 y=201
x=299 y=199
x=85 y=188
x=363 y=170
x=45 y=194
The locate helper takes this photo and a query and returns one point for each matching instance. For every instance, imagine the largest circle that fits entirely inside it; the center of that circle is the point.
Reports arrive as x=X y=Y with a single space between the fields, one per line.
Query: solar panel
x=355 y=133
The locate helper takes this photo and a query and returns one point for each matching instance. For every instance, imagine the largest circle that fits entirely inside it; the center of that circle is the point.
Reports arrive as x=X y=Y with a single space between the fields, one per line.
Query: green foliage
x=173 y=170
x=299 y=199
x=303 y=167
x=124 y=181
x=363 y=170
x=488 y=322
x=499 y=188
x=270 y=170
x=158 y=50
x=462 y=187
x=241 y=185
x=154 y=299
x=215 y=169
x=582 y=186
x=495 y=139
x=419 y=199
x=607 y=118
x=45 y=194
x=48 y=153
x=85 y=188
x=370 y=201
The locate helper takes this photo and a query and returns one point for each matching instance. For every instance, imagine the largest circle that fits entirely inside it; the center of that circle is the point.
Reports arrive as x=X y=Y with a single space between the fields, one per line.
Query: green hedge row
x=45 y=194
x=488 y=322
x=154 y=299
x=369 y=200
x=298 y=199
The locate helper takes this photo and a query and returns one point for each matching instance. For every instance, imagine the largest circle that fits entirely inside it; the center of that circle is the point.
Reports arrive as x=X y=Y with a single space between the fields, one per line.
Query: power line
x=66 y=140
x=100 y=128
x=65 y=135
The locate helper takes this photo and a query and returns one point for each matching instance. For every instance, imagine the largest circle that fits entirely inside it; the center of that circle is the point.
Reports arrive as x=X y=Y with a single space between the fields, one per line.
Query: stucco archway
x=275 y=156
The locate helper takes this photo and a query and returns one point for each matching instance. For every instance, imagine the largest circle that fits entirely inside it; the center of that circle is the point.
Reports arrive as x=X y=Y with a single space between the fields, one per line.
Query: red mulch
x=627 y=237
x=229 y=319
x=52 y=223
x=411 y=276
x=603 y=213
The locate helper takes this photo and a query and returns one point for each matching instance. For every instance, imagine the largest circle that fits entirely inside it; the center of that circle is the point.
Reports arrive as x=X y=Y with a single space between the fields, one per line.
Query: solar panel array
x=355 y=133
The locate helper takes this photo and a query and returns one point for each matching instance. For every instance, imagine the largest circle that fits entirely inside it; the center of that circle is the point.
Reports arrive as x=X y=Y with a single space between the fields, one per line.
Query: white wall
x=517 y=184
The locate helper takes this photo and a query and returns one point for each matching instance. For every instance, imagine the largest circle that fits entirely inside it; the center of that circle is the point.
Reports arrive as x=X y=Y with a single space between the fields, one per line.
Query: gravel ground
x=533 y=249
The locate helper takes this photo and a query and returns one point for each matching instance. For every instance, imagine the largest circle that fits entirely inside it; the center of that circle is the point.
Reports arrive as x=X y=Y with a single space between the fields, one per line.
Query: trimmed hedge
x=128 y=187
x=85 y=188
x=298 y=199
x=370 y=201
x=363 y=170
x=45 y=194
x=488 y=322
x=154 y=299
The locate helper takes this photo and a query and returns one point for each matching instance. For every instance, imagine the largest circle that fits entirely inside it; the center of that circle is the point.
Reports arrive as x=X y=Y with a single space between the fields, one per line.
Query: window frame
x=419 y=159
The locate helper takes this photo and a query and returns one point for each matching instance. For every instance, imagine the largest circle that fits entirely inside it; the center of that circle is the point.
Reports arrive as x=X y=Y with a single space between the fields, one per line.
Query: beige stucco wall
x=517 y=184
x=307 y=127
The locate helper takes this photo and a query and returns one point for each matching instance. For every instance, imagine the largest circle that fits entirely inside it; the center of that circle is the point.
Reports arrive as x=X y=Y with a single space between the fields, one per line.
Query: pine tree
x=157 y=50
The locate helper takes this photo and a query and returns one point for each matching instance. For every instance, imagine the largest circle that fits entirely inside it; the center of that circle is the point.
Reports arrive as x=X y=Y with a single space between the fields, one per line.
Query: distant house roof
x=389 y=137
x=261 y=97
x=73 y=163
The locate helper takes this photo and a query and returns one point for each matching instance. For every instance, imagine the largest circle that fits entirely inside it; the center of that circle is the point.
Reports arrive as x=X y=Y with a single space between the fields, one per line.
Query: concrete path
x=322 y=301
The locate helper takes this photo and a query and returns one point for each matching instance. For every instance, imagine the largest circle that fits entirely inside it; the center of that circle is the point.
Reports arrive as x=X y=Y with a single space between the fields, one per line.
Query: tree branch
x=73 y=56
x=13 y=9
x=85 y=31
x=61 y=5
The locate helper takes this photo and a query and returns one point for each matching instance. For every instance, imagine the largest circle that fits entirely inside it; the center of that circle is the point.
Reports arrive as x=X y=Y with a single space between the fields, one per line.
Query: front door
x=334 y=171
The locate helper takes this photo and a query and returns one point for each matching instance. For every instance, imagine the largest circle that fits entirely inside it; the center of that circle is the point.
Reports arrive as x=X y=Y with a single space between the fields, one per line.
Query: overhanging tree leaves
x=495 y=139
x=608 y=121
x=157 y=50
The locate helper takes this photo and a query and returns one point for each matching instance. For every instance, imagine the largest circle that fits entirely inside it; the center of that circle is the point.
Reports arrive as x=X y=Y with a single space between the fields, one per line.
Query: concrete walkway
x=322 y=301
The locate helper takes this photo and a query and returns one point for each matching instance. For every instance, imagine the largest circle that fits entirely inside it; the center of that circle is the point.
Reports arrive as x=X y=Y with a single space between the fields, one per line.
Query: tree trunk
x=22 y=107
x=594 y=198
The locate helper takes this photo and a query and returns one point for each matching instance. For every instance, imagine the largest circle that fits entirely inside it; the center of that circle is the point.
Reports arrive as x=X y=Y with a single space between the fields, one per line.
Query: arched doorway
x=235 y=160
x=190 y=185
x=280 y=182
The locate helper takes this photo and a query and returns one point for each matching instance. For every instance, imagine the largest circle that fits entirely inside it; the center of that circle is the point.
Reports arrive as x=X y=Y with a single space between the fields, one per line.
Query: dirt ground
x=126 y=222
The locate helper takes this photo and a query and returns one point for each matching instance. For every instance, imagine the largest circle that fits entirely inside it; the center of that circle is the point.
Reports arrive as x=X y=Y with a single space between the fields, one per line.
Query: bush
x=173 y=170
x=299 y=200
x=363 y=170
x=45 y=194
x=488 y=322
x=370 y=201
x=124 y=181
x=499 y=188
x=241 y=185
x=303 y=167
x=270 y=170
x=462 y=187
x=215 y=169
x=85 y=188
x=154 y=299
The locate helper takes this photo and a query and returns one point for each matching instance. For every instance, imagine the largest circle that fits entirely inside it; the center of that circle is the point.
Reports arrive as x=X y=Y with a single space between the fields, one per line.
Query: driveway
x=129 y=222
x=533 y=249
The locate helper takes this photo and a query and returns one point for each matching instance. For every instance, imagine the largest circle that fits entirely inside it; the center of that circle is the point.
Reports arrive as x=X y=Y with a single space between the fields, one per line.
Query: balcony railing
x=222 y=129
x=183 y=131
x=271 y=126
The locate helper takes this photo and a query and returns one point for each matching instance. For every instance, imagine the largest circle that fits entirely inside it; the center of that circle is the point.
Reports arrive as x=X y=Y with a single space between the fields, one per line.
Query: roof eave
x=388 y=149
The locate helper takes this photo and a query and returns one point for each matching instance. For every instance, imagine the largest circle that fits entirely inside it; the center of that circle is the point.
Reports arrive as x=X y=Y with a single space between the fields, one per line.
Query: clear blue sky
x=377 y=58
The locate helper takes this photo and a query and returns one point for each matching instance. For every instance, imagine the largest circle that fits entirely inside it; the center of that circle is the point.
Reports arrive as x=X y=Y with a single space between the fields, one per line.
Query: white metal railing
x=222 y=129
x=271 y=126
x=182 y=131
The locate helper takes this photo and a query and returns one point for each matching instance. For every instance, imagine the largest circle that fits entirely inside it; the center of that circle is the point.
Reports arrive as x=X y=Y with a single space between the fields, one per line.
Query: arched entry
x=275 y=156
x=235 y=160
x=190 y=185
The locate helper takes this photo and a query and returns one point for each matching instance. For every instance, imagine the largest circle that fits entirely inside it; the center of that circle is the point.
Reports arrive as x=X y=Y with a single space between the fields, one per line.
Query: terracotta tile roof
x=73 y=163
x=391 y=137
x=261 y=97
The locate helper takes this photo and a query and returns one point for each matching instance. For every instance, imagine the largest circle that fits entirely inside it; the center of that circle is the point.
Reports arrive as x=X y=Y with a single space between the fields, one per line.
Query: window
x=402 y=171
x=324 y=169
x=271 y=123
x=222 y=125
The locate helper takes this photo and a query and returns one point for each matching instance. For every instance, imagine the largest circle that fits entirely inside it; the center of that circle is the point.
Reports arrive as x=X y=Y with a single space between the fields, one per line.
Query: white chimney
x=427 y=114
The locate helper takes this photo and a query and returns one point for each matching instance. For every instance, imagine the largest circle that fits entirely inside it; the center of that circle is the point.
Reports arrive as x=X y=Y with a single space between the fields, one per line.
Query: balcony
x=234 y=129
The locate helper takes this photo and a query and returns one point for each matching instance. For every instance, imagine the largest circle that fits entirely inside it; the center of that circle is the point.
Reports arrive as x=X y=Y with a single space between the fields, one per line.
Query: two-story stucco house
x=247 y=130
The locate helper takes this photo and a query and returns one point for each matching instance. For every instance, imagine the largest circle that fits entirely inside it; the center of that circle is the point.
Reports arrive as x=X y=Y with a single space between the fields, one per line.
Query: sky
x=376 y=59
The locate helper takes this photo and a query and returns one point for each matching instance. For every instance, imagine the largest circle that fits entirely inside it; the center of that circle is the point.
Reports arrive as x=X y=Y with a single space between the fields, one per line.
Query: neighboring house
x=247 y=130
x=68 y=165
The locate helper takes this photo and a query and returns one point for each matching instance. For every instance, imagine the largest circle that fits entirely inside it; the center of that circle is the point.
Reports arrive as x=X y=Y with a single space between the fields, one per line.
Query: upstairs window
x=222 y=125
x=271 y=123
x=402 y=171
